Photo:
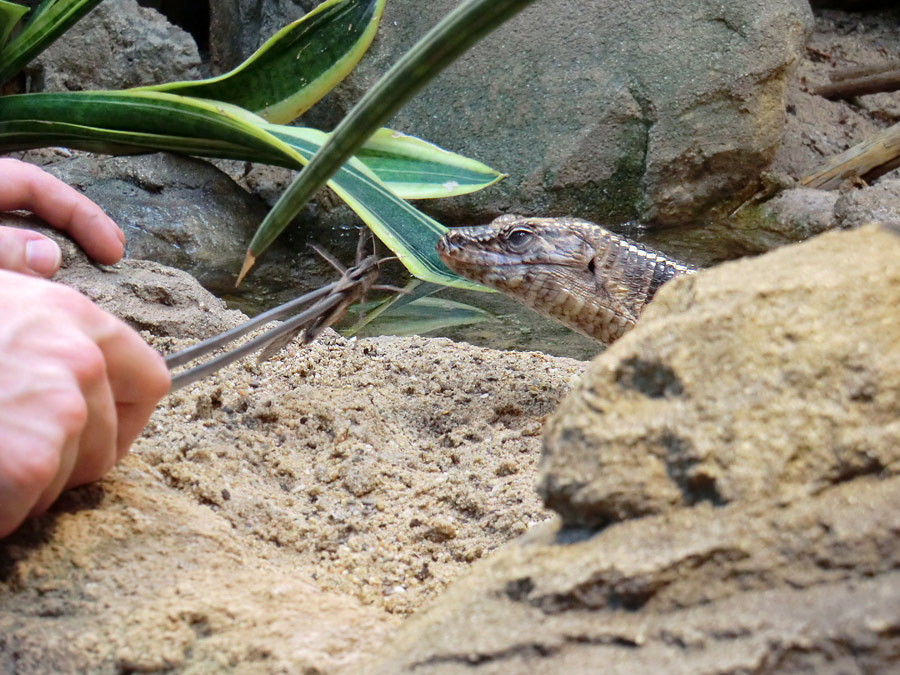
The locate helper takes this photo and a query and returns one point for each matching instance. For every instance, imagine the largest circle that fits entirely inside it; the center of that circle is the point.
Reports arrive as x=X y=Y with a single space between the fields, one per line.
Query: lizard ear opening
x=592 y=266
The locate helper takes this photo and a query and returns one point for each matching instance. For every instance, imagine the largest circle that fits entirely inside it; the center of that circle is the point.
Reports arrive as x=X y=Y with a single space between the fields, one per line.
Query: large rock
x=769 y=378
x=177 y=211
x=184 y=212
x=117 y=45
x=601 y=109
x=811 y=587
x=727 y=479
x=879 y=202
x=850 y=5
x=239 y=27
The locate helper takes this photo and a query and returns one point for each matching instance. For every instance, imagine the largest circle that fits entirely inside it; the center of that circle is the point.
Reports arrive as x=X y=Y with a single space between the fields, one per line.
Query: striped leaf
x=47 y=22
x=296 y=66
x=420 y=316
x=10 y=14
x=410 y=167
x=408 y=232
x=140 y=121
x=417 y=169
x=464 y=26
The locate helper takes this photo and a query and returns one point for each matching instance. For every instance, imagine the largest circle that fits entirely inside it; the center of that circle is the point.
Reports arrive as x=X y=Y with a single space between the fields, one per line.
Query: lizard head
x=512 y=247
x=546 y=264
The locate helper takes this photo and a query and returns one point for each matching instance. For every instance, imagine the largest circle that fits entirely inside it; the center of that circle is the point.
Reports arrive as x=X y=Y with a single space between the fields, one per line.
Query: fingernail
x=42 y=256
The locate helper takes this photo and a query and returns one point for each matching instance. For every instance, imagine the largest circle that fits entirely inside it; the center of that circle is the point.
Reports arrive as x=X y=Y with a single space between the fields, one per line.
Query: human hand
x=27 y=187
x=77 y=386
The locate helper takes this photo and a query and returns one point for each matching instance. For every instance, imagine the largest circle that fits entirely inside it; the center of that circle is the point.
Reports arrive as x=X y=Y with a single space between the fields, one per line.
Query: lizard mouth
x=462 y=248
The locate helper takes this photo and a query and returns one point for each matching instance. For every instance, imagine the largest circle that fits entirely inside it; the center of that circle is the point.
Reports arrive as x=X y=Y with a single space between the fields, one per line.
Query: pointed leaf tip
x=249 y=262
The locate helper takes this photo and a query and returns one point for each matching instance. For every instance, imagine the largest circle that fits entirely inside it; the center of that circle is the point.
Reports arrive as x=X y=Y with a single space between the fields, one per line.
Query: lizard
x=569 y=270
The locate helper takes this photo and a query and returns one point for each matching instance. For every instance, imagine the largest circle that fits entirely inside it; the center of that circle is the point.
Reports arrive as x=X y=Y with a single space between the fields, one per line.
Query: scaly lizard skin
x=571 y=271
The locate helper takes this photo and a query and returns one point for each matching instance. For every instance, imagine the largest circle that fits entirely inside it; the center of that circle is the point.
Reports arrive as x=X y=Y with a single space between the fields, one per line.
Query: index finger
x=139 y=378
x=30 y=188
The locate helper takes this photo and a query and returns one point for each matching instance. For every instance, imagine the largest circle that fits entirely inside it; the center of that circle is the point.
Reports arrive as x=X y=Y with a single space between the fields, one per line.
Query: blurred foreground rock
x=727 y=479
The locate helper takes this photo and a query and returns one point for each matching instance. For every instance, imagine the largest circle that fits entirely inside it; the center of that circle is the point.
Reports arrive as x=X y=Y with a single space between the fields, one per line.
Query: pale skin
x=77 y=385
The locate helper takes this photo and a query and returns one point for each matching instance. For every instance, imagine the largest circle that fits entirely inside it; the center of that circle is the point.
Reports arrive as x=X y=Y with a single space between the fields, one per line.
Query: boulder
x=800 y=213
x=879 y=202
x=850 y=5
x=591 y=112
x=117 y=45
x=763 y=379
x=728 y=479
x=177 y=211
x=812 y=587
x=239 y=27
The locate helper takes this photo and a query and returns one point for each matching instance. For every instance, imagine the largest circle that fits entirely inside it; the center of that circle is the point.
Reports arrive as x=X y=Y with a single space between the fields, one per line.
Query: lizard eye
x=518 y=238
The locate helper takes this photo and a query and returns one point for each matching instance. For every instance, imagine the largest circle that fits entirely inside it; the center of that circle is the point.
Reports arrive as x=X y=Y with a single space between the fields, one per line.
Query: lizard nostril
x=445 y=243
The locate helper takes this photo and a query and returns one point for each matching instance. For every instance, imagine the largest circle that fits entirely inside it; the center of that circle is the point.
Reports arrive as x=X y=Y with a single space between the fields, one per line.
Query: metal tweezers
x=330 y=303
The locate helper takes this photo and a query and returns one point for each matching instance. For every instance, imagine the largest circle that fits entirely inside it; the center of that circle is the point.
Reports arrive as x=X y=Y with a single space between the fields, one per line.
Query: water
x=294 y=269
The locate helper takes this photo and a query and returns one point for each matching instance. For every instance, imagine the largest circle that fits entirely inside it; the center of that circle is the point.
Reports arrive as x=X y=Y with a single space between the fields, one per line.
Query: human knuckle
x=69 y=412
x=36 y=466
x=88 y=364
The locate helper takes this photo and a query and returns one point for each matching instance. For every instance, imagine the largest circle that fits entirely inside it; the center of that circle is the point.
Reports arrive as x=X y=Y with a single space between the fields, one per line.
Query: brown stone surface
x=766 y=378
x=727 y=479
x=809 y=587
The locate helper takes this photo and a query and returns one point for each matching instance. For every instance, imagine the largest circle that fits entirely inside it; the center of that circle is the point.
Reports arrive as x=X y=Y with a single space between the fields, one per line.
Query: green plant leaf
x=410 y=167
x=10 y=14
x=139 y=121
x=47 y=22
x=132 y=121
x=296 y=66
x=408 y=232
x=417 y=169
x=463 y=27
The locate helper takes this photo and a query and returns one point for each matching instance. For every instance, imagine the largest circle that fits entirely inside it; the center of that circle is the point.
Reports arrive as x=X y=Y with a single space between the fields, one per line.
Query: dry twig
x=867 y=161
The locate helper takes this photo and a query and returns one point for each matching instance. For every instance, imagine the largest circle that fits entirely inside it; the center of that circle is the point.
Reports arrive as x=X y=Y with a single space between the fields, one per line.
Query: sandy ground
x=284 y=517
x=285 y=513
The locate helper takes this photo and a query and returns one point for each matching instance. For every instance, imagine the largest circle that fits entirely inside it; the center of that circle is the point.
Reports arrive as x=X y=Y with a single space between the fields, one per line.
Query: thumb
x=28 y=252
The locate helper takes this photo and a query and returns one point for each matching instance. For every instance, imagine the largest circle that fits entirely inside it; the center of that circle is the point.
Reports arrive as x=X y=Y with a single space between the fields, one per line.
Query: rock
x=174 y=210
x=850 y=5
x=879 y=202
x=148 y=296
x=801 y=213
x=239 y=27
x=728 y=479
x=594 y=115
x=810 y=588
x=769 y=378
x=117 y=45
x=185 y=213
